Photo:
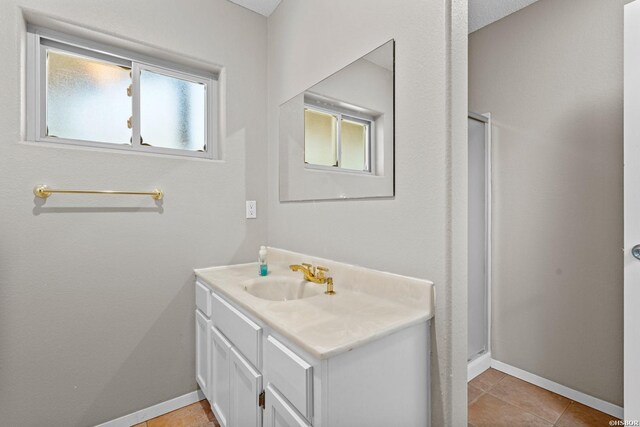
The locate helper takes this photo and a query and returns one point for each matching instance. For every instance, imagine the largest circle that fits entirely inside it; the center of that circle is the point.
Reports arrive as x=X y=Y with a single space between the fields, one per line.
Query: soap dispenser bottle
x=262 y=259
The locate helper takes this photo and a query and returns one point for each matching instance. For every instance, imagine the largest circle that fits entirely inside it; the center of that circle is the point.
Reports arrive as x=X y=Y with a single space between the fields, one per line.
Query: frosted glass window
x=320 y=138
x=87 y=99
x=90 y=94
x=172 y=112
x=353 y=145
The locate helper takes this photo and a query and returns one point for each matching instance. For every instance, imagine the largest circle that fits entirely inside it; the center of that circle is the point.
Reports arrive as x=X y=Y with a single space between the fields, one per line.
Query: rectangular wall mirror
x=336 y=138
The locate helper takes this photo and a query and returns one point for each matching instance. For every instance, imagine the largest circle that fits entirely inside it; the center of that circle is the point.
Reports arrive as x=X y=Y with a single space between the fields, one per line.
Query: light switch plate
x=251 y=209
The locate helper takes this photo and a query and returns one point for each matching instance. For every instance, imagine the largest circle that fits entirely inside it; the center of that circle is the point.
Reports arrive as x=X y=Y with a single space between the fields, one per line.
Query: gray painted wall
x=551 y=75
x=96 y=294
x=410 y=233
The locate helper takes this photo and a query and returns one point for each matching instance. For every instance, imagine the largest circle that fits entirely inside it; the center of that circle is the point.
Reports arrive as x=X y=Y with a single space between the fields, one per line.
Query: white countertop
x=327 y=325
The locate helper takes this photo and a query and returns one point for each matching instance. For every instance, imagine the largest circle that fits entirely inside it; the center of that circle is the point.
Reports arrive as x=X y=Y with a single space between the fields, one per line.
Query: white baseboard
x=585 y=399
x=478 y=366
x=155 y=410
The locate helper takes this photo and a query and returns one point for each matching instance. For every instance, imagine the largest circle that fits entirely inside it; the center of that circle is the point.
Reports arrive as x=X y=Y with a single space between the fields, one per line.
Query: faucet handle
x=321 y=271
x=330 y=290
x=307 y=265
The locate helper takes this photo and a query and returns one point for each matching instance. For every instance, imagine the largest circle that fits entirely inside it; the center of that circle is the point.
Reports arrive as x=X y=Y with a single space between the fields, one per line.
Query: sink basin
x=282 y=288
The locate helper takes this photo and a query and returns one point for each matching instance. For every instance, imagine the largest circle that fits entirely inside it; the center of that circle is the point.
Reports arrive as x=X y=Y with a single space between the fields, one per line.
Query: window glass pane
x=320 y=138
x=172 y=112
x=353 y=140
x=87 y=99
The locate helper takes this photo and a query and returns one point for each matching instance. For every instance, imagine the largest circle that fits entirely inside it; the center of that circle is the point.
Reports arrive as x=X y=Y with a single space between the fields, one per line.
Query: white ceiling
x=485 y=12
x=263 y=7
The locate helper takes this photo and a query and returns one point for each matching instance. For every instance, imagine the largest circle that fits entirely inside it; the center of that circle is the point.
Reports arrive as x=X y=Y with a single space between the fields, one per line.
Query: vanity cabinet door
x=278 y=412
x=219 y=384
x=203 y=362
x=246 y=385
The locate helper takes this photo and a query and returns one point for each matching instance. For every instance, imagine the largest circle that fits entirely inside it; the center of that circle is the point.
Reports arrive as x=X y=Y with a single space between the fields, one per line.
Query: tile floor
x=497 y=399
x=195 y=415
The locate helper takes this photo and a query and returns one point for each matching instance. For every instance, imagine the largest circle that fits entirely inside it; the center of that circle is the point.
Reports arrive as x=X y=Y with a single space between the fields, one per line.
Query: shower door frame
x=631 y=316
x=483 y=361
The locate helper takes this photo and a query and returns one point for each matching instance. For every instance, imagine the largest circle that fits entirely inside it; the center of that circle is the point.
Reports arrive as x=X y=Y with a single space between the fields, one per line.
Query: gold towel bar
x=43 y=192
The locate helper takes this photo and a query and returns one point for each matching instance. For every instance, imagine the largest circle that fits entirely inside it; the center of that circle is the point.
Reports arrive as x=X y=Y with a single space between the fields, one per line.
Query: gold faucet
x=315 y=275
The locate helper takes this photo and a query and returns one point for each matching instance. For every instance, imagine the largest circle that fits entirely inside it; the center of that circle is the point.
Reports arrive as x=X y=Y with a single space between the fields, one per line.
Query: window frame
x=40 y=40
x=344 y=114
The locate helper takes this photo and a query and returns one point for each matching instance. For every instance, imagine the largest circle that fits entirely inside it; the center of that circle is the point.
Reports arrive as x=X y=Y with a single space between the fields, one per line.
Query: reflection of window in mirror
x=336 y=139
x=320 y=138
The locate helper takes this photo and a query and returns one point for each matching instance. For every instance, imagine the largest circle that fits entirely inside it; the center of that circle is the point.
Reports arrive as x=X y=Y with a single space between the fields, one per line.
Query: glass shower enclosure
x=479 y=231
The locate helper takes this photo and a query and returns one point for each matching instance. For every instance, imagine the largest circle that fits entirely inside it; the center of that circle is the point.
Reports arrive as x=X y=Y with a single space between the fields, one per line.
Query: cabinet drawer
x=243 y=333
x=203 y=299
x=290 y=374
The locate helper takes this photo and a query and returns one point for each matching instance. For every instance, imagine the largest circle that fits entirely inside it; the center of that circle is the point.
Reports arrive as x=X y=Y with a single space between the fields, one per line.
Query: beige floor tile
x=489 y=411
x=579 y=415
x=473 y=394
x=531 y=398
x=196 y=415
x=486 y=380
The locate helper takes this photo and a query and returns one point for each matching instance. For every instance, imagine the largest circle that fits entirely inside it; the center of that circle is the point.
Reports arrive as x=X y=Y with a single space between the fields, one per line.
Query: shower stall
x=479 y=255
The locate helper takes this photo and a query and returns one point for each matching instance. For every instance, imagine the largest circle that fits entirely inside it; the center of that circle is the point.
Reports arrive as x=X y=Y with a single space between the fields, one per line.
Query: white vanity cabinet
x=290 y=375
x=253 y=376
x=202 y=352
x=220 y=395
x=245 y=390
x=278 y=412
x=228 y=357
x=203 y=356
